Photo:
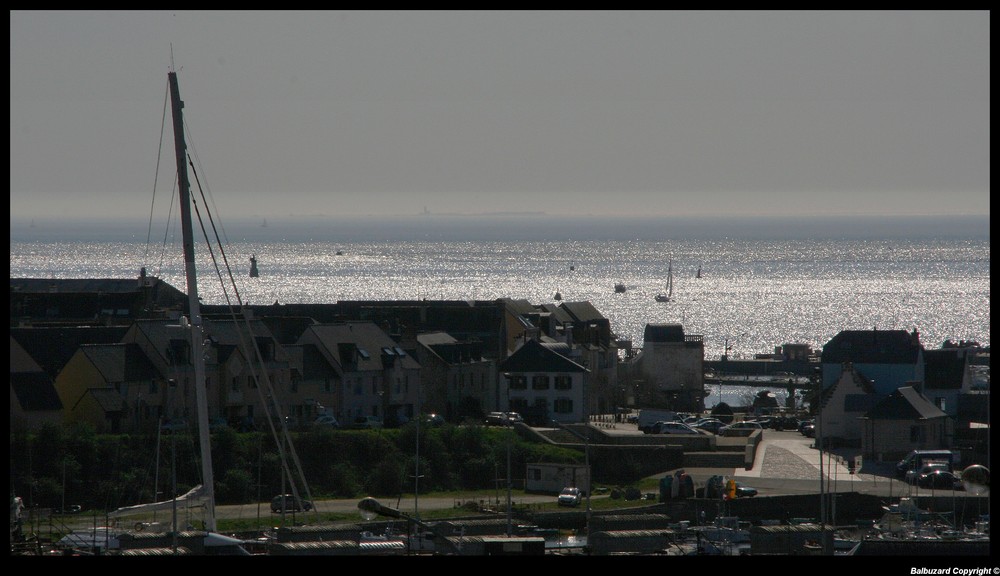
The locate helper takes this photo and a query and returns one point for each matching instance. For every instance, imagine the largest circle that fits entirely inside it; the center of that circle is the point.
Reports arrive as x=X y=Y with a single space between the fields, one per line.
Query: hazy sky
x=602 y=113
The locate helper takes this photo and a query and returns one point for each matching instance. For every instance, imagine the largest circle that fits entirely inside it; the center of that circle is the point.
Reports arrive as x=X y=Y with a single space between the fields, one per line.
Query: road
x=786 y=463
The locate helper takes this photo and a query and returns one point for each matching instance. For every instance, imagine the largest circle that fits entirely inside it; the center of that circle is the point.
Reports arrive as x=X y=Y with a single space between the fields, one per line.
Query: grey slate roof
x=287 y=329
x=108 y=399
x=872 y=347
x=905 y=404
x=557 y=312
x=120 y=362
x=20 y=360
x=582 y=311
x=366 y=336
x=53 y=347
x=35 y=391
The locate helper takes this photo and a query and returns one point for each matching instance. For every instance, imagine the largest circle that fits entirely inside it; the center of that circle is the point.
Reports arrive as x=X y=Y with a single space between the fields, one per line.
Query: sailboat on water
x=666 y=296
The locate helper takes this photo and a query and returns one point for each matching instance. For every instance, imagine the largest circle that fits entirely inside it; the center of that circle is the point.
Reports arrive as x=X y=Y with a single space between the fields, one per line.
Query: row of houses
x=885 y=393
x=128 y=366
x=115 y=353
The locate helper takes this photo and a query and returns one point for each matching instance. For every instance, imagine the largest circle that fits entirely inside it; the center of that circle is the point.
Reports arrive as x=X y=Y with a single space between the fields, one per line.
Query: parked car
x=503 y=418
x=782 y=423
x=673 y=428
x=739 y=429
x=290 y=504
x=808 y=430
x=367 y=422
x=174 y=425
x=917 y=458
x=326 y=420
x=744 y=491
x=803 y=424
x=217 y=423
x=570 y=496
x=710 y=425
x=940 y=480
x=496 y=419
x=912 y=476
x=514 y=417
x=434 y=419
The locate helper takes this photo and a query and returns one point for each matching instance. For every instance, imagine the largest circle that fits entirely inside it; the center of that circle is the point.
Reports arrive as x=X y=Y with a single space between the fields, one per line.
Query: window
x=518 y=382
x=562 y=406
x=235 y=386
x=564 y=382
x=540 y=382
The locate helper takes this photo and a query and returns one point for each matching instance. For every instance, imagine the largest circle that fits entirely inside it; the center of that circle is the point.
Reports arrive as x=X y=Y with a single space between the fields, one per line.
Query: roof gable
x=120 y=362
x=537 y=357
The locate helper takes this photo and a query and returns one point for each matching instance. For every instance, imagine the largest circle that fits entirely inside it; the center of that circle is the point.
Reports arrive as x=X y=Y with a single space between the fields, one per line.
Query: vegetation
x=75 y=465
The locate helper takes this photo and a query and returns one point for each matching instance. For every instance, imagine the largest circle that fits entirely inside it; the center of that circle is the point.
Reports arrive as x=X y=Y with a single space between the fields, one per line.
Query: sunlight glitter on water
x=755 y=295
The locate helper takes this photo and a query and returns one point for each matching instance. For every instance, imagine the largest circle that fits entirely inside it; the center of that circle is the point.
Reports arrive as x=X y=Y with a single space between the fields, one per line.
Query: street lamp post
x=819 y=445
x=416 y=462
x=510 y=426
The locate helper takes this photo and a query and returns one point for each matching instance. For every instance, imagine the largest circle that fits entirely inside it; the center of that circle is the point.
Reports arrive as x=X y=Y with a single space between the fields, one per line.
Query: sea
x=764 y=282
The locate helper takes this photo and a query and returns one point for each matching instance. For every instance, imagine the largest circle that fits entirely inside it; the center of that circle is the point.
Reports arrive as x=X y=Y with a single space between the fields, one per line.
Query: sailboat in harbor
x=669 y=293
x=204 y=494
x=207 y=541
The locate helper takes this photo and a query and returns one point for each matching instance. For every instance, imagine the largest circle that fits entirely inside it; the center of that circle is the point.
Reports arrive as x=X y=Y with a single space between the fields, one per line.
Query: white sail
x=193 y=498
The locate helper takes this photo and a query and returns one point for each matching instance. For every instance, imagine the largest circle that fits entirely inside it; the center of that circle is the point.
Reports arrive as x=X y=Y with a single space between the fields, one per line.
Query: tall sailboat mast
x=197 y=336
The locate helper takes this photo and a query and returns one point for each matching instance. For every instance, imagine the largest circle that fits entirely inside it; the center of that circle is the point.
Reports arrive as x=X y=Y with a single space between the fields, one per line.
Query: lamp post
x=510 y=426
x=819 y=444
x=416 y=462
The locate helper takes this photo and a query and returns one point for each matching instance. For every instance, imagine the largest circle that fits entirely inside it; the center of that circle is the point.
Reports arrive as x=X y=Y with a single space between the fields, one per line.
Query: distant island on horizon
x=538 y=226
